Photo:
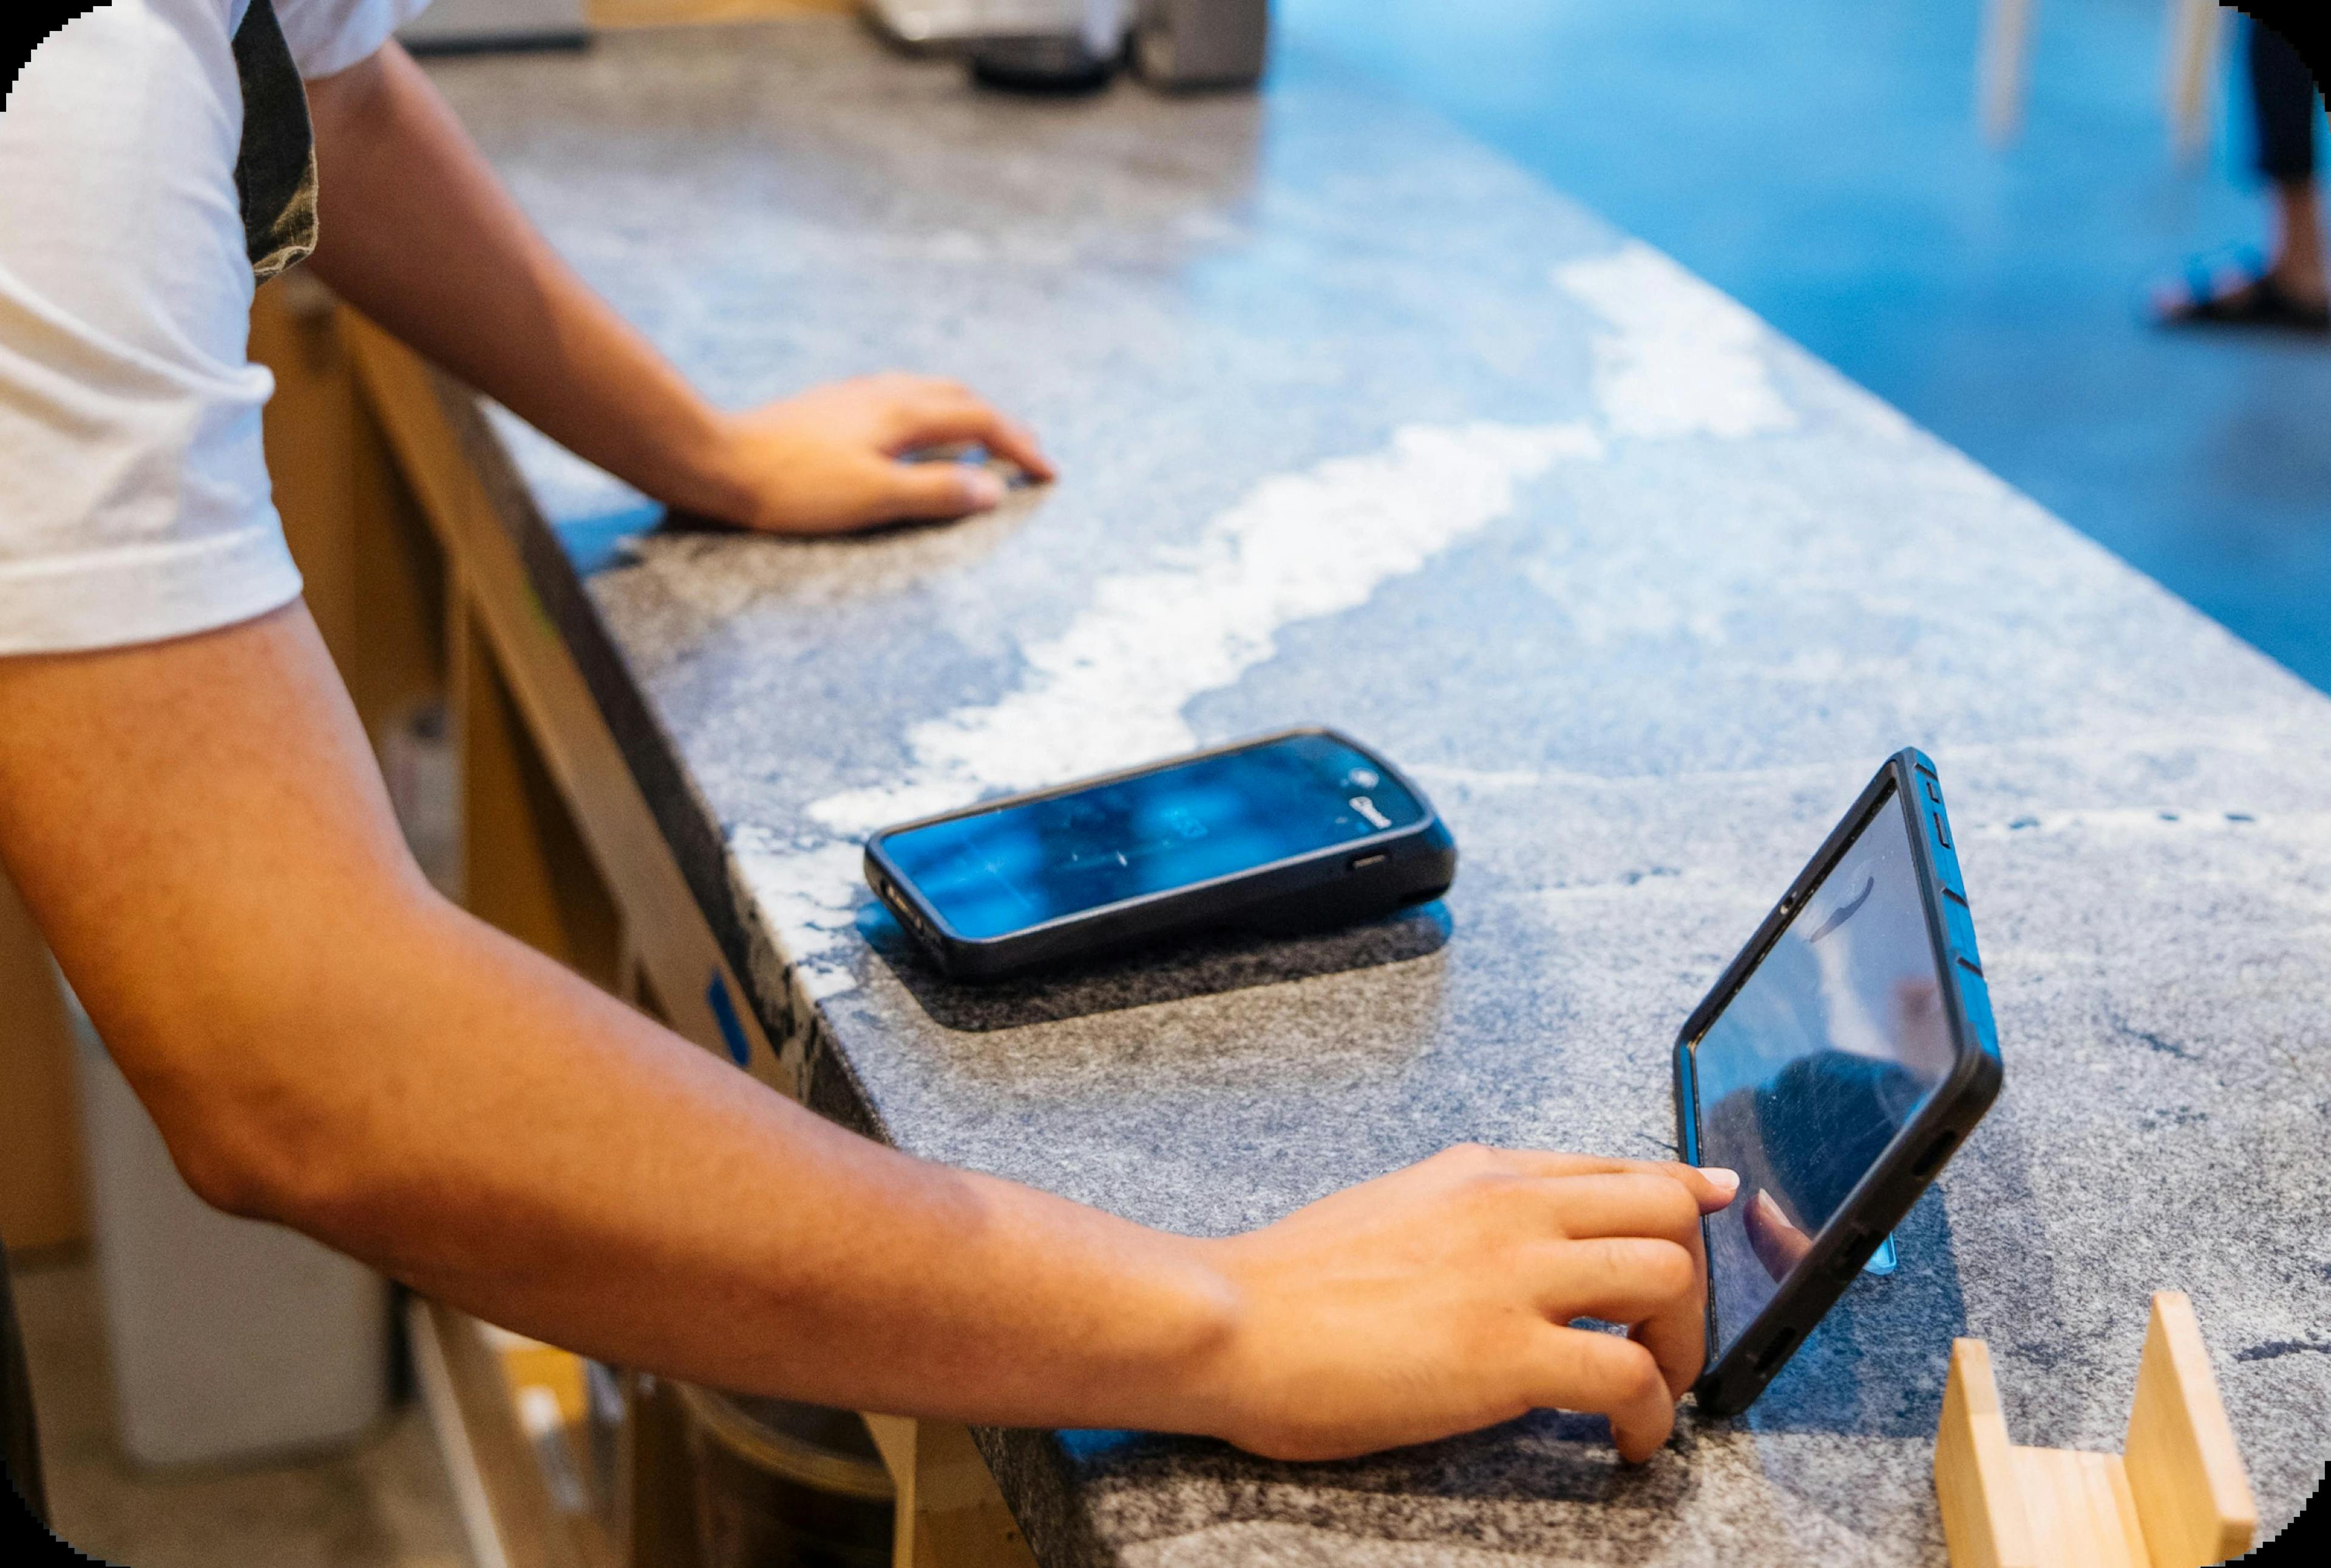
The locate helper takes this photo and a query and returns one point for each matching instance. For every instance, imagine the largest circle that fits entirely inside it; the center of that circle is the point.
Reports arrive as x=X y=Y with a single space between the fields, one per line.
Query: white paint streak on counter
x=1684 y=360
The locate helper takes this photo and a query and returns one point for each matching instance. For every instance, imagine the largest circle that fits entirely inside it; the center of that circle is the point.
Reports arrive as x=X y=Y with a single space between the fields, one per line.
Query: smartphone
x=1836 y=1064
x=1300 y=828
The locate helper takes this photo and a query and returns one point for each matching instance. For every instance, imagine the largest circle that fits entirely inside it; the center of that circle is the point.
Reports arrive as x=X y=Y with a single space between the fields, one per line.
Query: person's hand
x=828 y=461
x=1438 y=1299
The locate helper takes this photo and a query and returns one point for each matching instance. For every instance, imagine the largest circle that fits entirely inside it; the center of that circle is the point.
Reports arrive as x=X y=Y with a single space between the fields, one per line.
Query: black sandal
x=2241 y=295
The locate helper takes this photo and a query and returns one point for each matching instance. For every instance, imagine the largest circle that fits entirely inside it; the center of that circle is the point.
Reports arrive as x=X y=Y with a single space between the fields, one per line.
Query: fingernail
x=1725 y=1182
x=982 y=489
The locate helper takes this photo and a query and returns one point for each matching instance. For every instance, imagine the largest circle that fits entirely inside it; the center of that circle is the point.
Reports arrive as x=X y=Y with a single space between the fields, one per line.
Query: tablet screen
x=1818 y=1059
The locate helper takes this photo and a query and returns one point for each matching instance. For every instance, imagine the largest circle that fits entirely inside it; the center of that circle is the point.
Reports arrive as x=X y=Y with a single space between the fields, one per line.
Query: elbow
x=231 y=1176
x=273 y=1165
x=273 y=1097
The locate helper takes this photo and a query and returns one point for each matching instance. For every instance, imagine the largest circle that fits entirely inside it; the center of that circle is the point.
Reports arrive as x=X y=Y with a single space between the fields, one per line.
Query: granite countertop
x=1358 y=423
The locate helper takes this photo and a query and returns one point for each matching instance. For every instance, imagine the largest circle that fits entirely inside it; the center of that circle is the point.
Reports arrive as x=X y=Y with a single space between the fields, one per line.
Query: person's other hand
x=828 y=461
x=1437 y=1300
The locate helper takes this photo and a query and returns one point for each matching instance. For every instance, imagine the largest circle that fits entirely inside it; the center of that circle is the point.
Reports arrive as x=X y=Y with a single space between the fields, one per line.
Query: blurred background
x=1823 y=162
x=1959 y=203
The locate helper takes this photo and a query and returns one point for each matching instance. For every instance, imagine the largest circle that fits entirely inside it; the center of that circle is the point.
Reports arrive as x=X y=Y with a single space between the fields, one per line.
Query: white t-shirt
x=134 y=501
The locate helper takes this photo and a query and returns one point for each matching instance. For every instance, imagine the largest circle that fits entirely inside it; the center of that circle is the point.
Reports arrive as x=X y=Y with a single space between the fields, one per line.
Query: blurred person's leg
x=2284 y=96
x=2287 y=287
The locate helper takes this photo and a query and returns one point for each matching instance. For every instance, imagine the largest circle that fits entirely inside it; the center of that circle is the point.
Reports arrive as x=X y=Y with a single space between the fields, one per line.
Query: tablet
x=1836 y=1065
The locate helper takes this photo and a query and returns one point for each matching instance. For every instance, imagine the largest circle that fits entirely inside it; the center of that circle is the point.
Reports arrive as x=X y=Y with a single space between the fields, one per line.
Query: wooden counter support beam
x=2177 y=1498
x=508 y=1514
x=949 y=1512
x=512 y=669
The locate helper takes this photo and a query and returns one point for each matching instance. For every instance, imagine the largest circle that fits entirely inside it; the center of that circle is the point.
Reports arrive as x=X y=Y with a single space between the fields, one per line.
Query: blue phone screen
x=1825 y=1053
x=1017 y=867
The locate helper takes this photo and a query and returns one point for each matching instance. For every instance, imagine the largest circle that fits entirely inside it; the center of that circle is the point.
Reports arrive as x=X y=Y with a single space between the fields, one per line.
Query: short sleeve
x=134 y=498
x=330 y=35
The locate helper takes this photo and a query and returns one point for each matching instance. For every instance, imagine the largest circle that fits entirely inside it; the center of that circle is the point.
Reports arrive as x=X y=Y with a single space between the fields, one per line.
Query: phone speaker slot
x=1851 y=1255
x=1362 y=862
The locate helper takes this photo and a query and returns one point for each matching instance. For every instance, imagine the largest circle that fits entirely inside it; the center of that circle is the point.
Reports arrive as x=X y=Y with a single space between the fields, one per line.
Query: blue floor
x=1819 y=160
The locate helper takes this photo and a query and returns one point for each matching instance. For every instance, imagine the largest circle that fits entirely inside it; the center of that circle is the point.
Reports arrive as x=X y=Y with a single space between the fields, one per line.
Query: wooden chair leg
x=2000 y=67
x=2193 y=34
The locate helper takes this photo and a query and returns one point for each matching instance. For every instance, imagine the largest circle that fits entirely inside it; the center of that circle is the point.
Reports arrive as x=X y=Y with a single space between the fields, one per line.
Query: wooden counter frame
x=419 y=590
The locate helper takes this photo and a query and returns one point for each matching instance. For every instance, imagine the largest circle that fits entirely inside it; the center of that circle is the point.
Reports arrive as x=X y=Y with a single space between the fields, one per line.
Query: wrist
x=1197 y=1385
x=701 y=474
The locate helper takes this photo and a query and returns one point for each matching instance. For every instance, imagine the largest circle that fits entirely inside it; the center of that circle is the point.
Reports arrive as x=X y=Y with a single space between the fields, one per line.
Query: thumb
x=940 y=489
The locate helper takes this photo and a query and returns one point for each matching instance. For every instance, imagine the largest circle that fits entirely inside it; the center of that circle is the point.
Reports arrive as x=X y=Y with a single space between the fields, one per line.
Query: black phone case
x=1884 y=1194
x=1360 y=879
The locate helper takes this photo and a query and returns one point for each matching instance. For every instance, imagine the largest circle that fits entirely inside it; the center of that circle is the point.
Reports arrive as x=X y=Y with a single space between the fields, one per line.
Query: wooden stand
x=2177 y=1498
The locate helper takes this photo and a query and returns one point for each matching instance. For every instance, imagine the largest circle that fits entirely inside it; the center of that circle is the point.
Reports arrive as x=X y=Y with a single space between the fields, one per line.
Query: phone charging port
x=1362 y=862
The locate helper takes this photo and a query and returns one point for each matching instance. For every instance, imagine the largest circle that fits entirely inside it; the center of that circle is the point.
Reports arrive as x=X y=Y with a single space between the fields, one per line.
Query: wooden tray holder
x=2175 y=1498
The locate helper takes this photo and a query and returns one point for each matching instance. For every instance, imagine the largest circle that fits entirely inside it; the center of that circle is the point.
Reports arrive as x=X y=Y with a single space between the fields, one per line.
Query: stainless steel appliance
x=1202 y=42
x=938 y=24
x=448 y=26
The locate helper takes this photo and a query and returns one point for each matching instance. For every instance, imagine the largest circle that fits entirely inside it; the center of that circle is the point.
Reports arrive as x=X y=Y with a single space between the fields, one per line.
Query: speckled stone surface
x=1358 y=423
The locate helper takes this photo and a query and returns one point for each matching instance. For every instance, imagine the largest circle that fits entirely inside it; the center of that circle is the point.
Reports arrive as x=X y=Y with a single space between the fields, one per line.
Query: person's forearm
x=631 y=1173
x=326 y=1043
x=200 y=832
x=418 y=233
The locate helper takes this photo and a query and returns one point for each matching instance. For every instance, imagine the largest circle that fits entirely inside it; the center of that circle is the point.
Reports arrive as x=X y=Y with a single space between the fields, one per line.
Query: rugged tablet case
x=1883 y=1197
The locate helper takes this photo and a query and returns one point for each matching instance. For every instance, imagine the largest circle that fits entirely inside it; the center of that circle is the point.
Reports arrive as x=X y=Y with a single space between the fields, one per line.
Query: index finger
x=1677 y=1334
x=1712 y=1187
x=1627 y=1211
x=951 y=414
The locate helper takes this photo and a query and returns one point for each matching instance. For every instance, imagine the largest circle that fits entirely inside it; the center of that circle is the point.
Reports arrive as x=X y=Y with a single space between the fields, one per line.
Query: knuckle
x=1668 y=1270
x=1503 y=1337
x=1681 y=1209
x=1636 y=1374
